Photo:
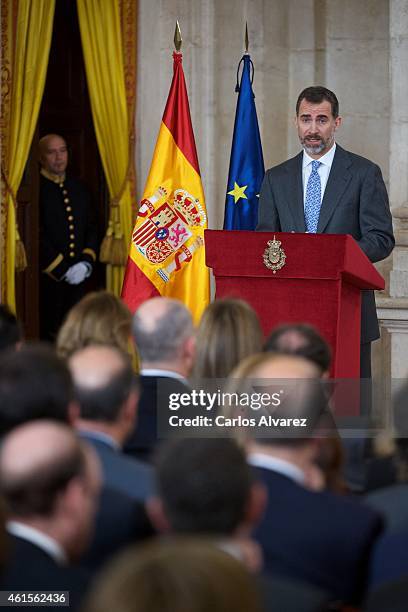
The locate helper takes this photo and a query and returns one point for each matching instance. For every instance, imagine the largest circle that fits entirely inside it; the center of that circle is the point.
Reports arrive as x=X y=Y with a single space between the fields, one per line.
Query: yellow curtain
x=108 y=36
x=25 y=45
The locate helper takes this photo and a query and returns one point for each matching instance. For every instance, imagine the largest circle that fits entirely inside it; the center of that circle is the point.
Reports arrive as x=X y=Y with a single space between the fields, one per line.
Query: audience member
x=4 y=543
x=391 y=597
x=34 y=384
x=164 y=335
x=229 y=330
x=314 y=536
x=68 y=236
x=217 y=497
x=301 y=339
x=305 y=341
x=175 y=576
x=50 y=483
x=10 y=330
x=99 y=318
x=107 y=392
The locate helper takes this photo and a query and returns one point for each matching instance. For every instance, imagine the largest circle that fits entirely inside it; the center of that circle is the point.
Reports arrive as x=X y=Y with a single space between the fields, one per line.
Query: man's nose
x=313 y=126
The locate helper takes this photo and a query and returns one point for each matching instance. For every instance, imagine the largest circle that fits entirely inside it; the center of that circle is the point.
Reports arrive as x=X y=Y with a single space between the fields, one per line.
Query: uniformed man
x=68 y=236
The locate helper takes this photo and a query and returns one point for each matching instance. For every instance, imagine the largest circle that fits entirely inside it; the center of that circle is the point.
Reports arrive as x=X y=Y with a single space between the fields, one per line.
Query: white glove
x=77 y=273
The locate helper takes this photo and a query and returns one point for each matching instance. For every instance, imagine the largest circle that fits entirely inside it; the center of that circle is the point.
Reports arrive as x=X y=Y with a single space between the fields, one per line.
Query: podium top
x=311 y=256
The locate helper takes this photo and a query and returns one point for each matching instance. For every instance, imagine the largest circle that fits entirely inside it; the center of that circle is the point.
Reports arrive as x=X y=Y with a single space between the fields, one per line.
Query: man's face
x=316 y=126
x=54 y=155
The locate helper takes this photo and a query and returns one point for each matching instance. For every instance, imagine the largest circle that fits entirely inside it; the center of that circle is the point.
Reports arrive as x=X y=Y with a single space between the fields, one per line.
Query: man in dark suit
x=217 y=497
x=68 y=236
x=307 y=534
x=163 y=332
x=325 y=189
x=50 y=483
x=108 y=392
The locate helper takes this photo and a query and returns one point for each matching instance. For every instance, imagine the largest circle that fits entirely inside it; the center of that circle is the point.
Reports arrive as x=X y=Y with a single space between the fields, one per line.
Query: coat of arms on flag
x=167 y=228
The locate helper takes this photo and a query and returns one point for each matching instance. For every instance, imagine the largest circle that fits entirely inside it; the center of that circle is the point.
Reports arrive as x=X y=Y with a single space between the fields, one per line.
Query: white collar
x=38 y=538
x=277 y=465
x=158 y=372
x=326 y=159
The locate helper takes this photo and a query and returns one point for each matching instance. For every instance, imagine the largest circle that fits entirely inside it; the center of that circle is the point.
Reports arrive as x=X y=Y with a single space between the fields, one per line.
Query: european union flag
x=247 y=168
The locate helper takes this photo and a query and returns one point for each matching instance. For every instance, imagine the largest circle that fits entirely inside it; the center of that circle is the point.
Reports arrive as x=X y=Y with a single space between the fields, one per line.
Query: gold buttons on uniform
x=71 y=236
x=70 y=218
x=64 y=191
x=66 y=200
x=71 y=227
x=68 y=209
x=72 y=244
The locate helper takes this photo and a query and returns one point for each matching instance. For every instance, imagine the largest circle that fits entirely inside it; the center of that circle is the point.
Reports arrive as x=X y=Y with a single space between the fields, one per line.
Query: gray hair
x=166 y=338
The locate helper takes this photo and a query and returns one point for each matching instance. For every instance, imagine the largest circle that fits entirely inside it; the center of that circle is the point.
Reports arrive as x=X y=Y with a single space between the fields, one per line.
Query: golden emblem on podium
x=274 y=256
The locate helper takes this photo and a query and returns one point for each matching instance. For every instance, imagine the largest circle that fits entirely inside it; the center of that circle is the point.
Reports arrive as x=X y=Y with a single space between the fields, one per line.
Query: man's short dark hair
x=10 y=330
x=309 y=345
x=315 y=95
x=104 y=403
x=34 y=384
x=204 y=485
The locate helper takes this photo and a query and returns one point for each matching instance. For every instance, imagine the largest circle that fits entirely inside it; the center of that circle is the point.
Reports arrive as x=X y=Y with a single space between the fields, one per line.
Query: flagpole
x=178 y=41
x=246 y=38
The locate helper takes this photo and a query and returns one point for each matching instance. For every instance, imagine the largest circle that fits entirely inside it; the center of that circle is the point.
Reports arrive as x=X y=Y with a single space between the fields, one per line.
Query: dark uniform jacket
x=67 y=228
x=68 y=235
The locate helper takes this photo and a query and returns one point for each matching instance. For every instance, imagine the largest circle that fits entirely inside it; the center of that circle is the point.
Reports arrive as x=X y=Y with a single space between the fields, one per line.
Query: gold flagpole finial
x=177 y=37
x=246 y=37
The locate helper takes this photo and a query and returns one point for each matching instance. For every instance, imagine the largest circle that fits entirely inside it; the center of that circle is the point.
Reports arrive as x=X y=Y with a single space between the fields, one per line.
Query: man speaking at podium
x=325 y=189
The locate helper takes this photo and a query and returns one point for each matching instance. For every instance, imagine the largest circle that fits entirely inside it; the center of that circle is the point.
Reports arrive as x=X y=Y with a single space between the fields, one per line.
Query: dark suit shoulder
x=284 y=167
x=353 y=159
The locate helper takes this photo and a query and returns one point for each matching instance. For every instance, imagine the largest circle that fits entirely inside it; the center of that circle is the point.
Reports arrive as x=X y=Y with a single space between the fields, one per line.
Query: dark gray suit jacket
x=121 y=472
x=355 y=202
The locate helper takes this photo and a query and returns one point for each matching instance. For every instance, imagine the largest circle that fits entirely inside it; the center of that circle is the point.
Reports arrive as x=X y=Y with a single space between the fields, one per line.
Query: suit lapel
x=294 y=192
x=339 y=178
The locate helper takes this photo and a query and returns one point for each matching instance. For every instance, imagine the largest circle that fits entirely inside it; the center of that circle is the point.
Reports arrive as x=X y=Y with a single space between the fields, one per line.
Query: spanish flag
x=167 y=249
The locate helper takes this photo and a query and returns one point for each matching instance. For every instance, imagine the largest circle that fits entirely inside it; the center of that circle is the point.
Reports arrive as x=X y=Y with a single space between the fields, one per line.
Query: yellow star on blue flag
x=238 y=192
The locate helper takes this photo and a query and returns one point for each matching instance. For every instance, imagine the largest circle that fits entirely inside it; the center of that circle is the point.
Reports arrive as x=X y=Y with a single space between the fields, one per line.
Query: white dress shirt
x=324 y=170
x=277 y=465
x=38 y=538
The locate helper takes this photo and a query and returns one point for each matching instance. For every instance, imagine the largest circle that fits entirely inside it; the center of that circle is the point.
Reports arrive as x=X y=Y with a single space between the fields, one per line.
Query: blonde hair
x=99 y=318
x=178 y=575
x=229 y=330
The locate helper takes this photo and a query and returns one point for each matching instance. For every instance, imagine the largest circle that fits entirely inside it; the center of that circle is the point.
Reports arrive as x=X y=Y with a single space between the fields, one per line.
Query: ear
x=74 y=413
x=129 y=410
x=156 y=513
x=70 y=501
x=338 y=122
x=189 y=351
x=257 y=500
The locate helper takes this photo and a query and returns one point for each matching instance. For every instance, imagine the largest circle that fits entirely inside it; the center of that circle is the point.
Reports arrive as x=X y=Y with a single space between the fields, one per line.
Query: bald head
x=285 y=366
x=95 y=366
x=103 y=380
x=296 y=384
x=37 y=460
x=53 y=152
x=160 y=328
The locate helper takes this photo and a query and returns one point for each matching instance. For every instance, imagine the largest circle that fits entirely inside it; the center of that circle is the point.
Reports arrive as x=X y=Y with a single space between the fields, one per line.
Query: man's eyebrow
x=305 y=115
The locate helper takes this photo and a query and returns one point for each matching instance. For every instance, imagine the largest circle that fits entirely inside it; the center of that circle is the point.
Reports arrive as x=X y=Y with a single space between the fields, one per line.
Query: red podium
x=319 y=283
